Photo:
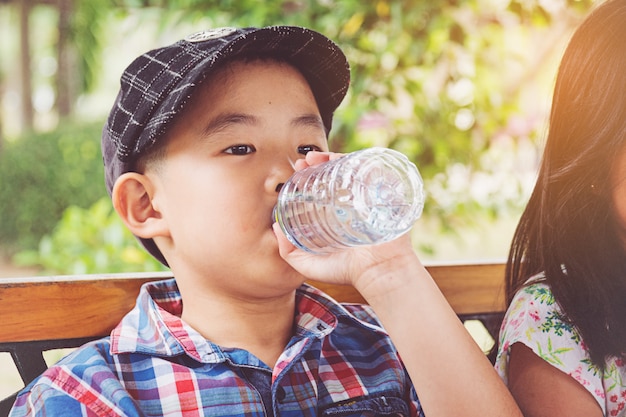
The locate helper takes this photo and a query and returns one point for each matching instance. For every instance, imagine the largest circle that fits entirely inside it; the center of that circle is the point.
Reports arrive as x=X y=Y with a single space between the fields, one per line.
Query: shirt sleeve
x=87 y=389
x=535 y=320
x=45 y=401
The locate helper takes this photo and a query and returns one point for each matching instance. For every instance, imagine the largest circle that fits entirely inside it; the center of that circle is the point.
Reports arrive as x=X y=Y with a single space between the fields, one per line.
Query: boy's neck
x=262 y=327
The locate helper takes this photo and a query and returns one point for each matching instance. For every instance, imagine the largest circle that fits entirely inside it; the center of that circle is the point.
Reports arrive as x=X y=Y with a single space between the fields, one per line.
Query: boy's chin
x=291 y=275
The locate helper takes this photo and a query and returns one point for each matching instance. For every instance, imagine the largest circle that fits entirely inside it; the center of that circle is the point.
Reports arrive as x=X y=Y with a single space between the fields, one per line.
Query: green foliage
x=88 y=37
x=86 y=241
x=41 y=175
x=55 y=209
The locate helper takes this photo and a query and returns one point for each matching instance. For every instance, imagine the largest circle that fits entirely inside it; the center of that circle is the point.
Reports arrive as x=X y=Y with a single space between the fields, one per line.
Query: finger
x=315 y=158
x=300 y=164
x=284 y=245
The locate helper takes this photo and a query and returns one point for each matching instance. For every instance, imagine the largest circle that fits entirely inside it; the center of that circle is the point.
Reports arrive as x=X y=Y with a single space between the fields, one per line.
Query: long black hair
x=569 y=229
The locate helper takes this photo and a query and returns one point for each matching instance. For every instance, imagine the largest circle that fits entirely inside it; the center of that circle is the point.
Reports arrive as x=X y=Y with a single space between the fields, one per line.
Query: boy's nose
x=280 y=171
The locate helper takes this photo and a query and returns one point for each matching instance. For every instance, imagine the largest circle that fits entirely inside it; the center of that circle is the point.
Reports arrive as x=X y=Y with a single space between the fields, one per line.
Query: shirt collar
x=154 y=326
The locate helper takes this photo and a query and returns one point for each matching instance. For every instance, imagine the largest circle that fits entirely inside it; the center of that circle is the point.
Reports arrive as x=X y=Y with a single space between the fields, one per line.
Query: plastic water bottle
x=362 y=198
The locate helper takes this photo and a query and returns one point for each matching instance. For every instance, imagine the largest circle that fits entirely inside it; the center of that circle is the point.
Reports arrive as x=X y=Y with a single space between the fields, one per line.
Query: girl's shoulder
x=535 y=319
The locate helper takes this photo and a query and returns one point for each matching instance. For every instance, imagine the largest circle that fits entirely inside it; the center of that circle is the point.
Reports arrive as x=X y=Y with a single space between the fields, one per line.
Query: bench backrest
x=43 y=313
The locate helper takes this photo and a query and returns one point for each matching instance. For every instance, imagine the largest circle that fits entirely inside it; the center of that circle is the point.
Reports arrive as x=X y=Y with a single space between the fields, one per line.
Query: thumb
x=284 y=245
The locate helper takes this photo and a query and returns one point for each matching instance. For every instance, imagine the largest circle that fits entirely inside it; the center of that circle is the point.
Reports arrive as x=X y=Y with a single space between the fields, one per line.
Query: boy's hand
x=358 y=266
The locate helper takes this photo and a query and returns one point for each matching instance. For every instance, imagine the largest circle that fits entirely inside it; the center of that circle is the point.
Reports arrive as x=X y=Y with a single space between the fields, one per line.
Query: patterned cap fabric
x=157 y=85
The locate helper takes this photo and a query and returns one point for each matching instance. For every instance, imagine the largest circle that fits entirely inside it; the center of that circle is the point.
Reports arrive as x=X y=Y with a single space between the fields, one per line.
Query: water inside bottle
x=357 y=203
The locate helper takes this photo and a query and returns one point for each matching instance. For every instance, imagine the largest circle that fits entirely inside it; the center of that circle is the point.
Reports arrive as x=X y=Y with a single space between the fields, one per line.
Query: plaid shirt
x=338 y=362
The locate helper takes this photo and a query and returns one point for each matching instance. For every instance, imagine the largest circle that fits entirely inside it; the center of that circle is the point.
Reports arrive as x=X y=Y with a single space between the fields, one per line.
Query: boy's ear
x=132 y=198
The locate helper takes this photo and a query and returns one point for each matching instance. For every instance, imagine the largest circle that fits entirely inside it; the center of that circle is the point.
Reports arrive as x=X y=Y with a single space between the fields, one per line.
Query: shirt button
x=280 y=394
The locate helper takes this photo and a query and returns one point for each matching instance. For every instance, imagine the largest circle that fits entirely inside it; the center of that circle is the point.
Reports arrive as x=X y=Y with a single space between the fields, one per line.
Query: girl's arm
x=542 y=390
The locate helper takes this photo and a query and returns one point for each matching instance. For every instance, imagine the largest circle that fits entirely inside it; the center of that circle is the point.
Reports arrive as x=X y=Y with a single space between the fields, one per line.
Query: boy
x=202 y=136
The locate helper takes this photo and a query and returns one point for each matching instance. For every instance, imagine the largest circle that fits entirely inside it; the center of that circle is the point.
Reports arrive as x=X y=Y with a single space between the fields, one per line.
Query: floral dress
x=533 y=318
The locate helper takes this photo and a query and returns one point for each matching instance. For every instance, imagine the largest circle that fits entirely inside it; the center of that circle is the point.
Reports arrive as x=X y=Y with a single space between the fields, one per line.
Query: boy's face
x=218 y=183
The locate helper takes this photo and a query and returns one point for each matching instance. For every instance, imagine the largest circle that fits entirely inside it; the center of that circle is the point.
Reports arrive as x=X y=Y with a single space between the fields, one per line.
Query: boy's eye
x=305 y=149
x=240 y=149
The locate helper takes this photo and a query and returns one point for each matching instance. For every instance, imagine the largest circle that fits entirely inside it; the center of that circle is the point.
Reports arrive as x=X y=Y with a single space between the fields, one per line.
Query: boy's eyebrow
x=312 y=120
x=225 y=120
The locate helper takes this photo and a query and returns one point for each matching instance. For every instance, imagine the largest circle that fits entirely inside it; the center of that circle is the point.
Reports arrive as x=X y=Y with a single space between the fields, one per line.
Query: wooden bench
x=46 y=313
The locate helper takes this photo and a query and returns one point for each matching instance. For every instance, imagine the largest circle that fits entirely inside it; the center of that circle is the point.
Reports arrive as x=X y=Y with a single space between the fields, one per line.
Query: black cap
x=156 y=86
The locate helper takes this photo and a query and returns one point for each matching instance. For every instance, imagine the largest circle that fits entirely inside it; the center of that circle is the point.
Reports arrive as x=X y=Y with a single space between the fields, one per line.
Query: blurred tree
x=78 y=44
x=64 y=59
x=25 y=63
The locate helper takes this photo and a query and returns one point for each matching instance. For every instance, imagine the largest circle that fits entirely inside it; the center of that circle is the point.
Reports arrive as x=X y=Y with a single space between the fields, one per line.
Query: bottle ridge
x=362 y=198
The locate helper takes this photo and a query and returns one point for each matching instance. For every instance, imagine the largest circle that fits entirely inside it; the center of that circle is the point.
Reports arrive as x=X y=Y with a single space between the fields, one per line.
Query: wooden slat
x=470 y=288
x=64 y=307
